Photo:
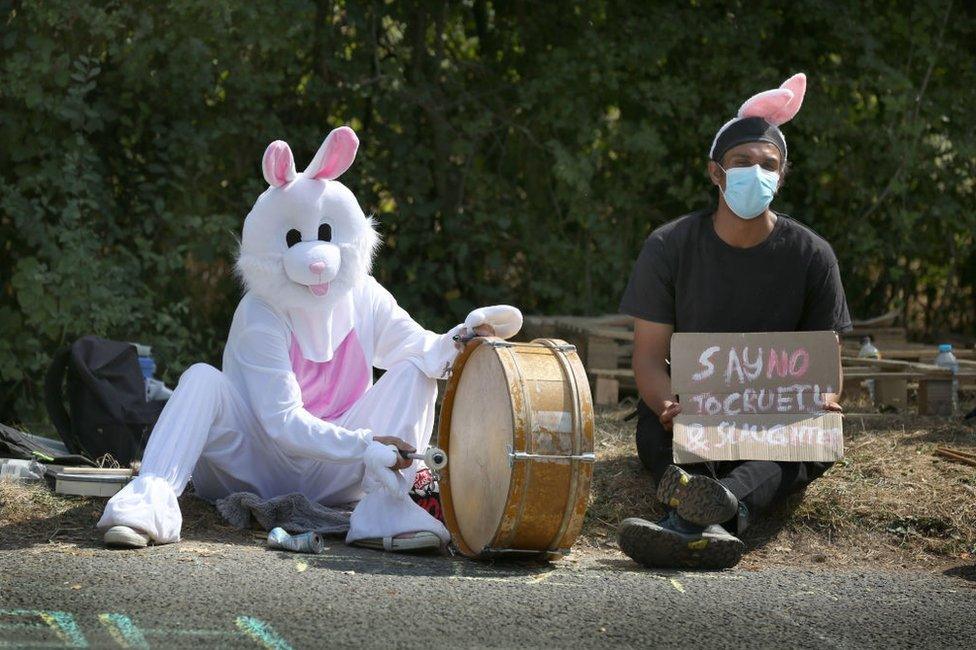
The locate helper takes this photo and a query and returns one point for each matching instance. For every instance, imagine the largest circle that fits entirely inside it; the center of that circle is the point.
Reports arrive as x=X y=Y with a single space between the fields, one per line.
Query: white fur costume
x=294 y=408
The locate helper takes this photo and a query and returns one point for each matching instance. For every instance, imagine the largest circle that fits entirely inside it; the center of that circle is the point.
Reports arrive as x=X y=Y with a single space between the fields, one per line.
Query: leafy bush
x=513 y=151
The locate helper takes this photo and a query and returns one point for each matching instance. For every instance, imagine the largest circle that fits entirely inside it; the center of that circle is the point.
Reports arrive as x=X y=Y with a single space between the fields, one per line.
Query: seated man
x=739 y=267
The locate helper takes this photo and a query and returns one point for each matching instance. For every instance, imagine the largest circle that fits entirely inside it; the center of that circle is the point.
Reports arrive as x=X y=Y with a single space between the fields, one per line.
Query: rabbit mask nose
x=316 y=267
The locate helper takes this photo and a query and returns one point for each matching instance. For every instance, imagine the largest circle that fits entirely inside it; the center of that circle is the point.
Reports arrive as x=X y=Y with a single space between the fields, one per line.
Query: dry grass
x=891 y=502
x=30 y=514
x=31 y=507
x=621 y=486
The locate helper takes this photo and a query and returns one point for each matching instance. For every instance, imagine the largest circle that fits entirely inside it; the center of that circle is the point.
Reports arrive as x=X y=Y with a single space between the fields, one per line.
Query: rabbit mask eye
x=293 y=237
x=325 y=232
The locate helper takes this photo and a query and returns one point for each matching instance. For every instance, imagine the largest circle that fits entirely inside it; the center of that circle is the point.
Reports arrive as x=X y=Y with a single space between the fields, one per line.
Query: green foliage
x=513 y=151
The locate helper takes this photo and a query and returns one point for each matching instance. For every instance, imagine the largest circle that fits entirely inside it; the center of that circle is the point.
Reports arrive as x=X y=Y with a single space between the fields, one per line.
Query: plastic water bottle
x=14 y=469
x=946 y=359
x=868 y=351
x=155 y=389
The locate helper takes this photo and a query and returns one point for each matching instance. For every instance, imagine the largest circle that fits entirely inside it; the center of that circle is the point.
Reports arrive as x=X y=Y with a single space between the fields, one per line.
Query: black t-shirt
x=686 y=276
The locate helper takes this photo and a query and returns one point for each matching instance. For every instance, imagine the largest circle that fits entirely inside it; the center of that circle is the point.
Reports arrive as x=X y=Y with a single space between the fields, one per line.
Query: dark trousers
x=756 y=483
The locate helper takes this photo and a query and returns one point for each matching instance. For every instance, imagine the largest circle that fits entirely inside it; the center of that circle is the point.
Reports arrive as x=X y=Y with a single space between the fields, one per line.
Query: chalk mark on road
x=123 y=631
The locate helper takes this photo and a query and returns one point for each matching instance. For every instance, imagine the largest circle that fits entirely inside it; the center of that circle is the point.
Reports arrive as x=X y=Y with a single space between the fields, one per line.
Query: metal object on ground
x=517 y=424
x=91 y=481
x=310 y=542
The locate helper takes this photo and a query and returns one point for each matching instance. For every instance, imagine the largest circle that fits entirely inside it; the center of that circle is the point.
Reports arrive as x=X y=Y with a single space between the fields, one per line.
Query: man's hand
x=832 y=405
x=669 y=410
x=402 y=463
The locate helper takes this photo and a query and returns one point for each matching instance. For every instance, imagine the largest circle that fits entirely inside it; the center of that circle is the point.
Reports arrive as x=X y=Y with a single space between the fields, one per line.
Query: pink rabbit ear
x=797 y=84
x=278 y=164
x=335 y=155
x=766 y=104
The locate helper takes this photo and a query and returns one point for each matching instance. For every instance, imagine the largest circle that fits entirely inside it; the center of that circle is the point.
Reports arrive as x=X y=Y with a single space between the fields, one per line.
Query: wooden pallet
x=885 y=320
x=607 y=384
x=916 y=352
x=891 y=388
x=883 y=337
x=605 y=344
x=602 y=341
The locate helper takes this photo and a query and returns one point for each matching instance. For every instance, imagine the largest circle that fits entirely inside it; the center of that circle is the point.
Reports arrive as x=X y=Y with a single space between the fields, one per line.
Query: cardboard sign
x=756 y=396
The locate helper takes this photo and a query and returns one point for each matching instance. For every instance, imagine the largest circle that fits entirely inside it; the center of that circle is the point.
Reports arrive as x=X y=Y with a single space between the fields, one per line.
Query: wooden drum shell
x=520 y=445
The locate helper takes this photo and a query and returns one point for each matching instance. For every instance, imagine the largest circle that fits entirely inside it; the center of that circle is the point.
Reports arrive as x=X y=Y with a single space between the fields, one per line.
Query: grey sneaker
x=699 y=499
x=676 y=543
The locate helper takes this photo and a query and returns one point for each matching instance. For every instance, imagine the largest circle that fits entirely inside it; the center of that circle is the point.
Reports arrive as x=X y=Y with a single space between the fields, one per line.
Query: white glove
x=379 y=458
x=504 y=319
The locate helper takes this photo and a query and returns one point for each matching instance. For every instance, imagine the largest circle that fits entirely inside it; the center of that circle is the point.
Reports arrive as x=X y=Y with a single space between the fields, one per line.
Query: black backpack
x=106 y=396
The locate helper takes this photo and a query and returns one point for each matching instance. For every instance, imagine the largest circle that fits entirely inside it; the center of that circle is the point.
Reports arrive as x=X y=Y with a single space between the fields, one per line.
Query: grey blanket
x=293 y=512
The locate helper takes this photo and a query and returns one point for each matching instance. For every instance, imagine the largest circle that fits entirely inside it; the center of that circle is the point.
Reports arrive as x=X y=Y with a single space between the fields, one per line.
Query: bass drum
x=517 y=425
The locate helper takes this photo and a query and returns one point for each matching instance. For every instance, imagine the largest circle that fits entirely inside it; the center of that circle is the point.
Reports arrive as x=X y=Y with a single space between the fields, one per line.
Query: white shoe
x=125 y=537
x=420 y=541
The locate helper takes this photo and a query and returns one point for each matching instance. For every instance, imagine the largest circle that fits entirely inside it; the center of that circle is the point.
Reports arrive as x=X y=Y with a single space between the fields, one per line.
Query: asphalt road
x=205 y=594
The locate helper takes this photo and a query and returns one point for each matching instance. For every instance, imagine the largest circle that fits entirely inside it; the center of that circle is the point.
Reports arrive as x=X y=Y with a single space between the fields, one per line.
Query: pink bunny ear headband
x=760 y=117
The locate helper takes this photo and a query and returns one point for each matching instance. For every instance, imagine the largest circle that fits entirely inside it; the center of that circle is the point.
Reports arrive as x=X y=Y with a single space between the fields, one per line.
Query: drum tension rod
x=522 y=455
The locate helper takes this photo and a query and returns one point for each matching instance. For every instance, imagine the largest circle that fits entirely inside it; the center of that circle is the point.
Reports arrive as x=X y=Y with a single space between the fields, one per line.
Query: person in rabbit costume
x=735 y=267
x=294 y=408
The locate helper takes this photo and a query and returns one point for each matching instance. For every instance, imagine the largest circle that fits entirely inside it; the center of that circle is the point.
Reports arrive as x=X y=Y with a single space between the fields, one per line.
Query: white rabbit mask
x=306 y=242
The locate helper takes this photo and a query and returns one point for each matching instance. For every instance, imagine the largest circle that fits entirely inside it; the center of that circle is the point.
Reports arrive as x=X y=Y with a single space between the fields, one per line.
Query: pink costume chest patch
x=330 y=388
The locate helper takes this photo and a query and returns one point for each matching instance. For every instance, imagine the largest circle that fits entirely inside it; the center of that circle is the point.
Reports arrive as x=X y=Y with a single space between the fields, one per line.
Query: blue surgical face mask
x=749 y=190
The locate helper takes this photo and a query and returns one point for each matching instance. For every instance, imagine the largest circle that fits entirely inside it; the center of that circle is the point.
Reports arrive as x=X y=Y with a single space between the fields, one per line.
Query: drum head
x=481 y=429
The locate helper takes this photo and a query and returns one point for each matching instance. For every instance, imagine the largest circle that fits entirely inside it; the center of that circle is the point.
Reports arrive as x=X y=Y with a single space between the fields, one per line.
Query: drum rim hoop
x=444 y=441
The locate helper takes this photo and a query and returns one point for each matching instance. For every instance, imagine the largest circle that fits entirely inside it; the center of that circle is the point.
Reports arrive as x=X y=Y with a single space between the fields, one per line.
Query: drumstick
x=435 y=457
